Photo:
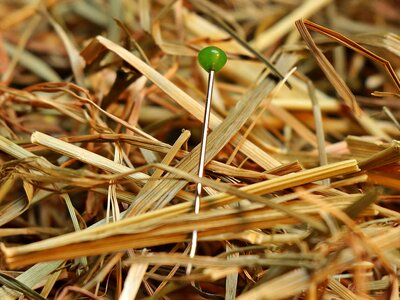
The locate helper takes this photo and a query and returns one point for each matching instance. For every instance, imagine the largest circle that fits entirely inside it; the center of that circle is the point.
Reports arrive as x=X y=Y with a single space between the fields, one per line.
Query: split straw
x=212 y=59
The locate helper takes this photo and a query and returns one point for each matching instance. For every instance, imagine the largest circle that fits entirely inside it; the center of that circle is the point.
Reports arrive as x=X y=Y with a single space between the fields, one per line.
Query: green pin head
x=212 y=58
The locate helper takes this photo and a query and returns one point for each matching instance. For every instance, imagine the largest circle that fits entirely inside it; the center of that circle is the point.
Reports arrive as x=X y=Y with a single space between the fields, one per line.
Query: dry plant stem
x=384 y=180
x=29 y=231
x=83 y=155
x=362 y=148
x=170 y=155
x=328 y=69
x=356 y=47
x=27 y=97
x=207 y=275
x=64 y=294
x=323 y=160
x=6 y=76
x=382 y=158
x=297 y=260
x=255 y=237
x=334 y=78
x=269 y=37
x=295 y=179
x=133 y=281
x=19 y=16
x=294 y=123
x=232 y=279
x=76 y=60
x=51 y=281
x=341 y=290
x=34 y=64
x=391 y=116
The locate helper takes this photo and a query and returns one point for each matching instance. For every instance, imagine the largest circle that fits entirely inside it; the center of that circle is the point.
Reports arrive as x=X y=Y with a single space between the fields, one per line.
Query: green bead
x=212 y=58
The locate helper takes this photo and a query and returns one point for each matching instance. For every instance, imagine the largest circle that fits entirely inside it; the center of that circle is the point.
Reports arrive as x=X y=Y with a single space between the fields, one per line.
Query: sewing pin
x=212 y=59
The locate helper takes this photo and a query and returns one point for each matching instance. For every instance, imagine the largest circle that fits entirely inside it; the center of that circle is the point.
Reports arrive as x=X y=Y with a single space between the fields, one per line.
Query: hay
x=100 y=110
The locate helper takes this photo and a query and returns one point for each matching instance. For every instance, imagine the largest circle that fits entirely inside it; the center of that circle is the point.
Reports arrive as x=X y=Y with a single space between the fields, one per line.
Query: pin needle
x=212 y=59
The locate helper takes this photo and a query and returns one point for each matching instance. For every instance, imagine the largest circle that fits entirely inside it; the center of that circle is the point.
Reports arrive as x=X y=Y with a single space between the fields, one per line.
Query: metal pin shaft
x=203 y=144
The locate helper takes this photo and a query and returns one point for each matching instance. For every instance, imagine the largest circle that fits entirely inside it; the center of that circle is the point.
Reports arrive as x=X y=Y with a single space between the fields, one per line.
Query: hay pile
x=101 y=105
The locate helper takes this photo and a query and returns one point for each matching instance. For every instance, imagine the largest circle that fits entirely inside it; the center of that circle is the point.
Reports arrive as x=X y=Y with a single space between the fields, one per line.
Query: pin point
x=212 y=59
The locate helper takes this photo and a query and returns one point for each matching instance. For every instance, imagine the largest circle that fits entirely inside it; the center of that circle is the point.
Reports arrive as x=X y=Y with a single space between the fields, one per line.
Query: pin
x=212 y=59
